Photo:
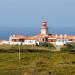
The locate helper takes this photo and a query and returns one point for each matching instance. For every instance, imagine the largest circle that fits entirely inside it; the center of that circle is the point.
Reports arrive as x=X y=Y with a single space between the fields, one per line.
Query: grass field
x=15 y=48
x=37 y=63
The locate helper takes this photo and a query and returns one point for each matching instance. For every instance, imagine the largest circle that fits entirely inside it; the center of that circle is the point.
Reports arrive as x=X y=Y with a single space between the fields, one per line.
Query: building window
x=43 y=39
x=30 y=41
x=52 y=41
x=63 y=40
x=70 y=39
x=59 y=40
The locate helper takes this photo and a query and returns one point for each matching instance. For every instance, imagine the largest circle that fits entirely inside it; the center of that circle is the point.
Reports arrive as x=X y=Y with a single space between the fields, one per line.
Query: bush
x=49 y=45
x=69 y=47
x=43 y=44
x=25 y=48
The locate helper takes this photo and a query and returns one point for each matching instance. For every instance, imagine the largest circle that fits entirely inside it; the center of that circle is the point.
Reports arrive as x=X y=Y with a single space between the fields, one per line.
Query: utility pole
x=19 y=52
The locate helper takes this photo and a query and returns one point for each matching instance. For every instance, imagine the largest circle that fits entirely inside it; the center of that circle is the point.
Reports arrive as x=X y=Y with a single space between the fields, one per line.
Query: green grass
x=37 y=63
x=15 y=48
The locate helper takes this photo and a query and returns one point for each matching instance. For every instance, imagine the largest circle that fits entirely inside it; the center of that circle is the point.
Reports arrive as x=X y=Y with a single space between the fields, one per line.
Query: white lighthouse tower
x=44 y=28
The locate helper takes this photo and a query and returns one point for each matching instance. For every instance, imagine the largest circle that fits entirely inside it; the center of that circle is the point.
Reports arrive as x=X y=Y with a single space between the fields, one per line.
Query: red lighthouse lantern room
x=44 y=23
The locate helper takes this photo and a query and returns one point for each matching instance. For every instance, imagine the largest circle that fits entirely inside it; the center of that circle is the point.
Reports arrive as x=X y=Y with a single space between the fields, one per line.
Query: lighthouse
x=44 y=28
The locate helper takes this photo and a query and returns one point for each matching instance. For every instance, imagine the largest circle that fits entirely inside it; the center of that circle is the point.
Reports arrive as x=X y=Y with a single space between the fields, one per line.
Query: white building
x=43 y=36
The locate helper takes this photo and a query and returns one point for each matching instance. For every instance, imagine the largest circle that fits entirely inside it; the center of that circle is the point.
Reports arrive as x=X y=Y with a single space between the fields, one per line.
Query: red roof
x=40 y=35
x=61 y=36
x=2 y=41
x=25 y=37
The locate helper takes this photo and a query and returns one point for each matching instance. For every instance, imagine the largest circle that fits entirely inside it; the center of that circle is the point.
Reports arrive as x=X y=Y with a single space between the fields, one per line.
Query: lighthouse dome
x=44 y=23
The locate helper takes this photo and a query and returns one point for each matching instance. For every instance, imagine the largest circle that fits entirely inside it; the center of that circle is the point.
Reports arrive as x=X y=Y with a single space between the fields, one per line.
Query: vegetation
x=69 y=47
x=37 y=63
x=36 y=60
x=47 y=45
x=33 y=48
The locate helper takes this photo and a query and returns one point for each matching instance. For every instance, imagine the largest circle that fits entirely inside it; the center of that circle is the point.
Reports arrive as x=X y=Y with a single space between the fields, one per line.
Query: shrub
x=69 y=47
x=49 y=45
x=43 y=44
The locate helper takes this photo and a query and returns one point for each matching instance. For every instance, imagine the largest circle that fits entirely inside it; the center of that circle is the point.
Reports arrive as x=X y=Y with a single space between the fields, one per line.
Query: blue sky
x=25 y=16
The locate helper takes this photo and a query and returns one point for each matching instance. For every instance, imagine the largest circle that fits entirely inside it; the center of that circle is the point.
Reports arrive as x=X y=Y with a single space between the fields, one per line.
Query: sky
x=25 y=16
